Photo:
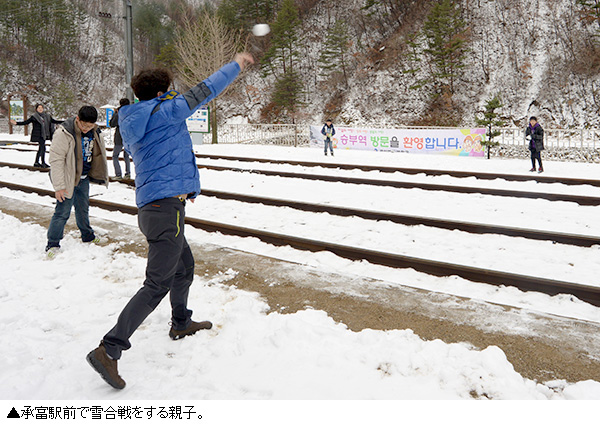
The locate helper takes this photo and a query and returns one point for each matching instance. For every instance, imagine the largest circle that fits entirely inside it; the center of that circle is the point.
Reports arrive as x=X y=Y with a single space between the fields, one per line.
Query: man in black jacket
x=535 y=135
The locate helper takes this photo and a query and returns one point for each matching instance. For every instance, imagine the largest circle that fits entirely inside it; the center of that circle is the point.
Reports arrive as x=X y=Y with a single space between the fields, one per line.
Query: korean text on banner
x=451 y=141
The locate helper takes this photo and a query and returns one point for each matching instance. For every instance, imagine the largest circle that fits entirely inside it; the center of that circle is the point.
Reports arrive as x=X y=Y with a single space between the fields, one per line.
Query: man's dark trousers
x=536 y=155
x=170 y=268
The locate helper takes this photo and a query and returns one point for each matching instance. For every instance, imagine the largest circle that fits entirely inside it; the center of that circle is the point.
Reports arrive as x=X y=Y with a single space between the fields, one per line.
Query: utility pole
x=128 y=47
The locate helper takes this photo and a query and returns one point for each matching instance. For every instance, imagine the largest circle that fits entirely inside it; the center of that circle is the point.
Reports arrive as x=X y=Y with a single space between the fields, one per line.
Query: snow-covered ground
x=517 y=255
x=56 y=311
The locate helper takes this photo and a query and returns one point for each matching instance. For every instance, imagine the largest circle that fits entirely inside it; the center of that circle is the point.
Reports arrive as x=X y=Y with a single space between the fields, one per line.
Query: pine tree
x=414 y=59
x=445 y=34
x=287 y=93
x=335 y=50
x=280 y=59
x=153 y=27
x=244 y=13
x=44 y=29
x=281 y=56
x=489 y=120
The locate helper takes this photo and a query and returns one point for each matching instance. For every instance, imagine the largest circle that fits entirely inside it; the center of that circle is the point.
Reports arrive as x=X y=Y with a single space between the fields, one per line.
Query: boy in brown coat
x=77 y=157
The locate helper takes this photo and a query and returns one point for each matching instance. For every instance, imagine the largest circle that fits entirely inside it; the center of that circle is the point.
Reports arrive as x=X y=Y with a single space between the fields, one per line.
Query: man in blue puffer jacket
x=155 y=134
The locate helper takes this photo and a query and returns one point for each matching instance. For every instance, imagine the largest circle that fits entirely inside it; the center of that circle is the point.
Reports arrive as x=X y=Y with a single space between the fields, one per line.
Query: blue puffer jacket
x=155 y=134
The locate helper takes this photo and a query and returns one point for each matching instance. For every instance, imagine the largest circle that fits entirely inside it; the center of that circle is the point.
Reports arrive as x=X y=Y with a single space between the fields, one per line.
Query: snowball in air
x=261 y=29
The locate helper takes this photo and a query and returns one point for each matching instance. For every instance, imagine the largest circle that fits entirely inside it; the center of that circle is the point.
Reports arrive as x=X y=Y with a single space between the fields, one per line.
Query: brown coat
x=65 y=172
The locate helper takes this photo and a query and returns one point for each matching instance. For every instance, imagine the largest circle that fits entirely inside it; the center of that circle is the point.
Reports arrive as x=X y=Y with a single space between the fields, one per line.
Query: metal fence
x=264 y=134
x=553 y=138
x=299 y=135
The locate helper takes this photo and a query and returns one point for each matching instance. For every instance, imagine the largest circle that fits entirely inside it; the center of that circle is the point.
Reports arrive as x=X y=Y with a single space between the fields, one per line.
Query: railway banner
x=449 y=141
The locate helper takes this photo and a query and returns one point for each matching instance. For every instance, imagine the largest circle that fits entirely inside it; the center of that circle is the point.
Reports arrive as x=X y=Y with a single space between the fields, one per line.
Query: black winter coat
x=537 y=137
x=114 y=122
x=40 y=133
x=37 y=131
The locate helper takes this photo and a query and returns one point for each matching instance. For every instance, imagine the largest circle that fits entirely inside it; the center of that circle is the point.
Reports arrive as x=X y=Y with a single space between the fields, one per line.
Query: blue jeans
x=116 y=151
x=330 y=143
x=81 y=201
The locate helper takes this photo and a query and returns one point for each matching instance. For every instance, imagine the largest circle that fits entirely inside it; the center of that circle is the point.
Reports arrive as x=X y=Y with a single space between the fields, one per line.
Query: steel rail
x=427 y=171
x=585 y=293
x=405 y=219
x=579 y=199
x=411 y=220
x=570 y=181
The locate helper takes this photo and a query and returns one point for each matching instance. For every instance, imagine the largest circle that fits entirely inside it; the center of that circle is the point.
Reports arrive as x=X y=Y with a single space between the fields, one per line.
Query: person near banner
x=328 y=131
x=77 y=157
x=155 y=133
x=534 y=134
x=118 y=141
x=42 y=130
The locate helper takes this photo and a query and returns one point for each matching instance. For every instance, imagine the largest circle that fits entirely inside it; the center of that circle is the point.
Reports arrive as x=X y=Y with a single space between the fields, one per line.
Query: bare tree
x=203 y=46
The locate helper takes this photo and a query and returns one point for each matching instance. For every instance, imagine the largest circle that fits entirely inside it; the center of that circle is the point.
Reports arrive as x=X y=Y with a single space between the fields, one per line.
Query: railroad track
x=411 y=171
x=579 y=199
x=409 y=220
x=586 y=293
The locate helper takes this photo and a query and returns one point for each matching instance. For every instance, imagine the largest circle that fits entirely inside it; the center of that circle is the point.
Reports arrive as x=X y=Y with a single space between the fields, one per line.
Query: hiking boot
x=52 y=252
x=532 y=170
x=541 y=170
x=190 y=330
x=37 y=165
x=127 y=176
x=44 y=165
x=106 y=367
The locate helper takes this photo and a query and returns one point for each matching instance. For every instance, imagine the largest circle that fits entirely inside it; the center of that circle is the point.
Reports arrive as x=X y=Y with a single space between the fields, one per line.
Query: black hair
x=328 y=120
x=533 y=118
x=88 y=114
x=148 y=82
x=38 y=104
x=124 y=101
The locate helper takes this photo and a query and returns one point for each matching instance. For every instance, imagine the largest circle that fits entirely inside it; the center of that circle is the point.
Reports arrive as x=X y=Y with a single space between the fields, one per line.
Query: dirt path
x=541 y=347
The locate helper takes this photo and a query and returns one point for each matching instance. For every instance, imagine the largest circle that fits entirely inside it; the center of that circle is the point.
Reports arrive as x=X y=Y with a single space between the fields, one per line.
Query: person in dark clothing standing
x=41 y=131
x=155 y=133
x=328 y=131
x=114 y=122
x=534 y=134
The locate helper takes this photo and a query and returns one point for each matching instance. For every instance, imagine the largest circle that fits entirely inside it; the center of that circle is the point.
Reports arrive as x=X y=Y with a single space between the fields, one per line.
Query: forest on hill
x=359 y=62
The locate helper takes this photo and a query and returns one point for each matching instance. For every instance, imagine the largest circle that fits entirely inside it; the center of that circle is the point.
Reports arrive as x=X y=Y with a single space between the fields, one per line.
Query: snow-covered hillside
x=91 y=71
x=539 y=55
